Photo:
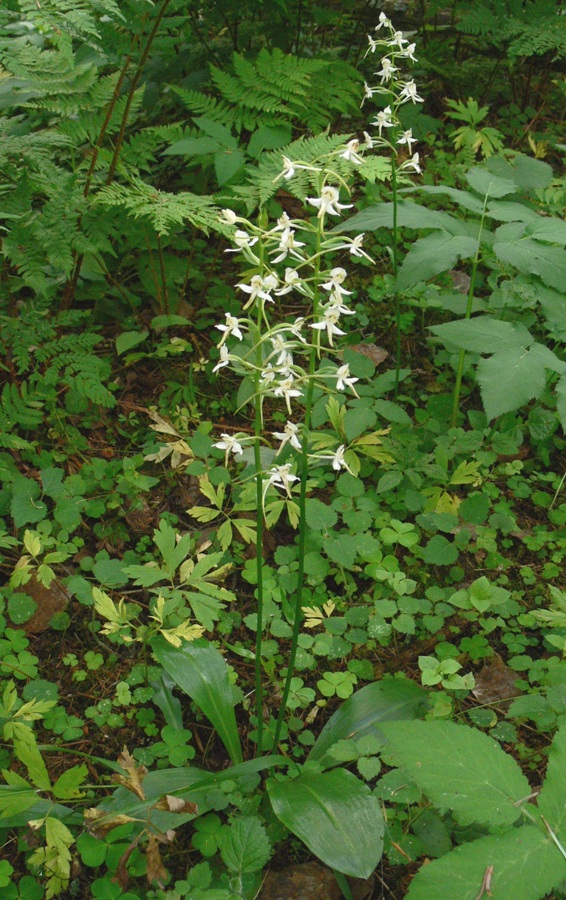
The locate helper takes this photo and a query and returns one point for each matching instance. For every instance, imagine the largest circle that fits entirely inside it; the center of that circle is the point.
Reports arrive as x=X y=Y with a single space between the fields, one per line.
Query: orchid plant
x=293 y=359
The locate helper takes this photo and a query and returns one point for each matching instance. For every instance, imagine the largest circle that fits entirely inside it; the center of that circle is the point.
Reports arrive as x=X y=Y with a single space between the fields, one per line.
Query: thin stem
x=468 y=314
x=395 y=263
x=133 y=89
x=303 y=475
x=258 y=423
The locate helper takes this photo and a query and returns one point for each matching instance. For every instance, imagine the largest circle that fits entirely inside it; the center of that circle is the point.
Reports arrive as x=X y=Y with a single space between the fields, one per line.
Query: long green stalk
x=395 y=265
x=468 y=314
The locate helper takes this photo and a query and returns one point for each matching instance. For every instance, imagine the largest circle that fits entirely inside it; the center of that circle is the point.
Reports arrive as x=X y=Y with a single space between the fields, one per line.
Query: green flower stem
x=303 y=475
x=468 y=314
x=258 y=423
x=395 y=264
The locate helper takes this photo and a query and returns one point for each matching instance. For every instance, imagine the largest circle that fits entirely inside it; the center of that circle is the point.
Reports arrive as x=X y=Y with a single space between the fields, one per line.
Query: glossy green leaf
x=200 y=671
x=551 y=801
x=335 y=815
x=364 y=712
x=460 y=769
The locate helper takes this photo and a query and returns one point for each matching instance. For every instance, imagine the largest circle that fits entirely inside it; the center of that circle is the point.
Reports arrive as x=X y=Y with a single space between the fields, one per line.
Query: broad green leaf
x=68 y=784
x=227 y=163
x=527 y=173
x=434 y=254
x=319 y=516
x=509 y=211
x=509 y=379
x=186 y=782
x=246 y=847
x=561 y=401
x=463 y=198
x=488 y=184
x=192 y=147
x=172 y=550
x=335 y=815
x=269 y=137
x=363 y=713
x=27 y=751
x=522 y=864
x=164 y=698
x=409 y=215
x=16 y=799
x=200 y=671
x=483 y=334
x=129 y=339
x=551 y=801
x=530 y=256
x=460 y=769
x=548 y=229
x=217 y=131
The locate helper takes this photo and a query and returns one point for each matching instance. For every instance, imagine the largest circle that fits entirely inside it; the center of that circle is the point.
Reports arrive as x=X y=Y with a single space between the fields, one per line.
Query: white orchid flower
x=413 y=164
x=409 y=92
x=289 y=435
x=230 y=444
x=345 y=380
x=387 y=70
x=337 y=459
x=225 y=359
x=232 y=326
x=328 y=202
x=383 y=119
x=351 y=152
x=407 y=138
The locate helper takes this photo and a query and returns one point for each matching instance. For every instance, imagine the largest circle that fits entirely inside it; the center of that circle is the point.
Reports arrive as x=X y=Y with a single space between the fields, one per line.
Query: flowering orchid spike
x=383 y=22
x=259 y=288
x=407 y=138
x=281 y=477
x=337 y=278
x=413 y=164
x=242 y=240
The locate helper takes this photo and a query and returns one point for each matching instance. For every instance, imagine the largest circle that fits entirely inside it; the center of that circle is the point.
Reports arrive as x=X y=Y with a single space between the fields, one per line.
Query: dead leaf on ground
x=495 y=683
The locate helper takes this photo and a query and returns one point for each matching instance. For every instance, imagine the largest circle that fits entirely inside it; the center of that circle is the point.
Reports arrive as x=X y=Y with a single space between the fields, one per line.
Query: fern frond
x=163 y=209
x=20 y=407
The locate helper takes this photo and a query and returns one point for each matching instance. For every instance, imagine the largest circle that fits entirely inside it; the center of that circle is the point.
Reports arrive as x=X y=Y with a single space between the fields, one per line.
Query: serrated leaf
x=434 y=254
x=551 y=801
x=246 y=847
x=522 y=863
x=410 y=215
x=483 y=334
x=460 y=769
x=489 y=185
x=510 y=379
x=335 y=815
x=67 y=785
x=530 y=256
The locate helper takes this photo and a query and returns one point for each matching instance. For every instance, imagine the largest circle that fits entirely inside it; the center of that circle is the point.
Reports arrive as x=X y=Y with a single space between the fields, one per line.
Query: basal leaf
x=522 y=864
x=510 y=379
x=364 y=711
x=434 y=254
x=460 y=769
x=199 y=670
x=335 y=815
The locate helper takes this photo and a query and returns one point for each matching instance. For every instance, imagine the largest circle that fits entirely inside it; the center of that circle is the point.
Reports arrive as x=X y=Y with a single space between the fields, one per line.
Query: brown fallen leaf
x=134 y=774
